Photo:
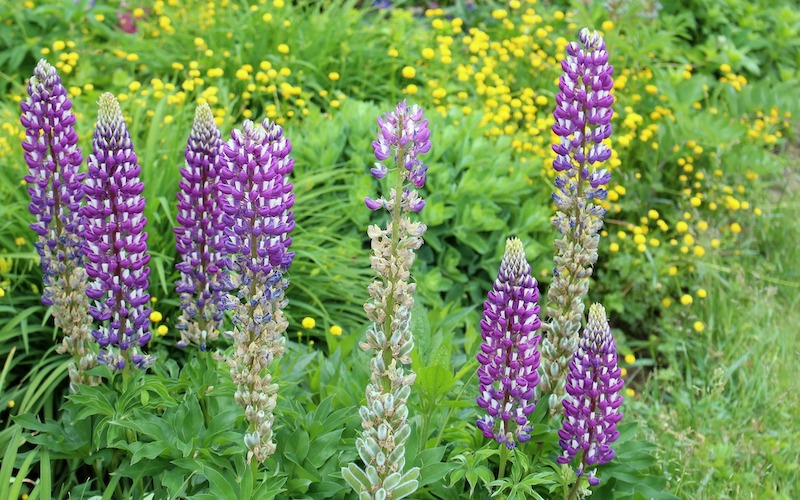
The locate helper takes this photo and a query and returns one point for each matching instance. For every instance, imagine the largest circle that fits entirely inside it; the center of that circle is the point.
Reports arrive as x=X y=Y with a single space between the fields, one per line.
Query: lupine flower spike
x=583 y=123
x=199 y=235
x=402 y=136
x=56 y=190
x=509 y=355
x=115 y=243
x=256 y=203
x=591 y=407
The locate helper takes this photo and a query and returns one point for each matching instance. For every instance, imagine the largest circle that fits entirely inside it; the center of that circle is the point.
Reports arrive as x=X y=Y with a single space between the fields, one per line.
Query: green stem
x=503 y=458
x=576 y=488
x=254 y=473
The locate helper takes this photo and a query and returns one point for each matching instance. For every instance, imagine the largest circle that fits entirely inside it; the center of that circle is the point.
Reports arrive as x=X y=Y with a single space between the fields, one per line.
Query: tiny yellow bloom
x=681 y=227
x=630 y=359
x=698 y=326
x=542 y=101
x=333 y=76
x=278 y=4
x=725 y=68
x=630 y=392
x=309 y=323
x=11 y=404
x=666 y=302
x=411 y=89
x=2 y=293
x=99 y=18
x=736 y=228
x=283 y=48
x=132 y=57
x=653 y=214
x=428 y=53
x=336 y=330
x=267 y=17
x=607 y=25
x=20 y=241
x=59 y=45
x=702 y=293
x=614 y=247
x=409 y=72
x=699 y=251
x=156 y=316
x=624 y=372
x=686 y=299
x=162 y=330
x=715 y=243
x=672 y=271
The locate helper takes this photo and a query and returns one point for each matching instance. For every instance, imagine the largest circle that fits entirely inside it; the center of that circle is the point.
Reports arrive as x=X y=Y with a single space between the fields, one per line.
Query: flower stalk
x=591 y=406
x=509 y=355
x=583 y=125
x=403 y=135
x=199 y=235
x=256 y=202
x=116 y=244
x=56 y=190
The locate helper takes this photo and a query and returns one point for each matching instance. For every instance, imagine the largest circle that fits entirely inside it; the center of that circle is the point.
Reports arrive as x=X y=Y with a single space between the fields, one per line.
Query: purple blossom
x=256 y=203
x=54 y=159
x=591 y=407
x=115 y=242
x=199 y=234
x=402 y=135
x=583 y=118
x=509 y=355
x=257 y=198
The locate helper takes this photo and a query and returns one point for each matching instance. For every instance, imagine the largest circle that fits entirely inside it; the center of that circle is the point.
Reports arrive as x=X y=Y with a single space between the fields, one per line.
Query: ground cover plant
x=221 y=277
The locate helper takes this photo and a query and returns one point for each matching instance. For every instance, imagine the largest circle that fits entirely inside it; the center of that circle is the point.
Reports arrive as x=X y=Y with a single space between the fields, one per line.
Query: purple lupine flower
x=509 y=355
x=258 y=198
x=256 y=203
x=402 y=135
x=591 y=407
x=54 y=159
x=116 y=244
x=582 y=122
x=583 y=118
x=199 y=234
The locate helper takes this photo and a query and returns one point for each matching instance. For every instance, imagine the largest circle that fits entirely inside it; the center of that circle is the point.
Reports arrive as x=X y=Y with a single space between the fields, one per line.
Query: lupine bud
x=509 y=355
x=591 y=407
x=199 y=234
x=583 y=121
x=402 y=136
x=116 y=244
x=256 y=204
x=56 y=190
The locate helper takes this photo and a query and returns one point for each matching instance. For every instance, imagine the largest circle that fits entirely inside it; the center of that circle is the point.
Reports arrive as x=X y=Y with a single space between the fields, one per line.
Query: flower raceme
x=256 y=202
x=591 y=406
x=583 y=122
x=509 y=355
x=116 y=243
x=54 y=160
x=56 y=190
x=402 y=136
x=199 y=235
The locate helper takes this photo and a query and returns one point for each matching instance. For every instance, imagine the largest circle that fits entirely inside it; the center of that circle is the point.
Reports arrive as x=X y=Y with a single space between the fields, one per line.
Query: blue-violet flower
x=56 y=190
x=583 y=122
x=256 y=203
x=199 y=235
x=116 y=243
x=591 y=407
x=509 y=355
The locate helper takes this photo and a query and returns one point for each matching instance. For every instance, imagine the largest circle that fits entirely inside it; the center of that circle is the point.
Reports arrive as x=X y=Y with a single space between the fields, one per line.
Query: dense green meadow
x=699 y=266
